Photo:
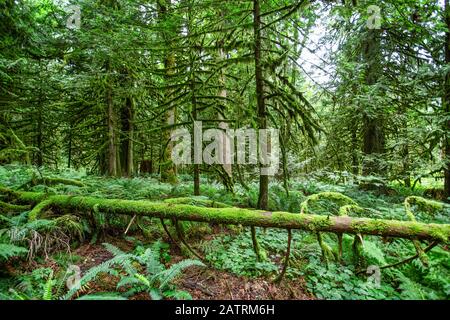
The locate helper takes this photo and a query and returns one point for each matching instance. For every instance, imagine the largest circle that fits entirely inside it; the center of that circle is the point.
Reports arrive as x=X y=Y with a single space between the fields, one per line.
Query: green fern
x=91 y=274
x=102 y=296
x=9 y=250
x=156 y=280
x=167 y=276
x=48 y=287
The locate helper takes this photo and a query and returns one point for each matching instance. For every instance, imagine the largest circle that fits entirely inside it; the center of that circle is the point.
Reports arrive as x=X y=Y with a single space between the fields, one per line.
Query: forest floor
x=201 y=283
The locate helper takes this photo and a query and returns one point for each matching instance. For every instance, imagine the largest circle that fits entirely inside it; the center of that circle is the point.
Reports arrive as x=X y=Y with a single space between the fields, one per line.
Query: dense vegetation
x=90 y=92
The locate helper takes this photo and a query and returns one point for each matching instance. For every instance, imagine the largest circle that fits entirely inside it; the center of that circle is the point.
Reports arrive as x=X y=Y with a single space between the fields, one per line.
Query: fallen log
x=51 y=182
x=238 y=216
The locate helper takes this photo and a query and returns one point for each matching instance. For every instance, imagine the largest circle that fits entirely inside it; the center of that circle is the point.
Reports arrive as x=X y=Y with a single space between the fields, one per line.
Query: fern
x=9 y=250
x=126 y=264
x=151 y=260
x=48 y=287
x=156 y=280
x=105 y=267
x=102 y=296
x=142 y=279
x=167 y=276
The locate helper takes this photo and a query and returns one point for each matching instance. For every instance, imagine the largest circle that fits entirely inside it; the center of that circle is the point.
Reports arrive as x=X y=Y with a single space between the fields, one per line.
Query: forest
x=224 y=150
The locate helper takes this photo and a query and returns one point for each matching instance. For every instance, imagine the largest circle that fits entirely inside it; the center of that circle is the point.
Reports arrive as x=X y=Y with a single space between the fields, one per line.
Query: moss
x=327 y=252
x=439 y=235
x=331 y=196
x=246 y=217
x=319 y=223
x=12 y=207
x=345 y=210
x=51 y=182
x=197 y=202
x=370 y=226
x=414 y=228
x=37 y=210
x=8 y=192
x=32 y=197
x=423 y=204
x=54 y=181
x=261 y=254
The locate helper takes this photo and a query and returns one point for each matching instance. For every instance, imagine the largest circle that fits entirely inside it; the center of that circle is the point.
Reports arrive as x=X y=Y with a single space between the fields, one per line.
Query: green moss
x=423 y=204
x=54 y=181
x=439 y=235
x=37 y=210
x=331 y=196
x=197 y=202
x=10 y=193
x=32 y=197
x=245 y=217
x=12 y=207
x=327 y=252
x=345 y=210
x=414 y=228
x=319 y=223
x=370 y=226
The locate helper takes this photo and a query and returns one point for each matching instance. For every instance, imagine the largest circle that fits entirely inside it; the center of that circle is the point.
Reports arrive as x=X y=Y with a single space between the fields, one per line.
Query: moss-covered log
x=12 y=207
x=51 y=182
x=246 y=217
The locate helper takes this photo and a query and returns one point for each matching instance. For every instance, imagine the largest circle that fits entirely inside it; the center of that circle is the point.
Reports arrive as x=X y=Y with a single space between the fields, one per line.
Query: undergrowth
x=230 y=249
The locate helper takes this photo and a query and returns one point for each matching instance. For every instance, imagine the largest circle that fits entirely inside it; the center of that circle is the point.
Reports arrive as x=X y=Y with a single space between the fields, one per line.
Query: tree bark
x=112 y=150
x=227 y=153
x=263 y=199
x=127 y=139
x=373 y=135
x=168 y=169
x=446 y=103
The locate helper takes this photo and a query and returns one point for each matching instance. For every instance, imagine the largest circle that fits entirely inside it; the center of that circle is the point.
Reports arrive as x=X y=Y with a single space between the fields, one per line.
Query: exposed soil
x=211 y=284
x=201 y=283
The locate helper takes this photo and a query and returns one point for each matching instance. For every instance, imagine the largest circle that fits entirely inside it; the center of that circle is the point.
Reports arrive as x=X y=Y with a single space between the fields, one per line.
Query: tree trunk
x=224 y=126
x=446 y=101
x=194 y=117
x=263 y=199
x=127 y=158
x=236 y=216
x=373 y=135
x=168 y=169
x=112 y=150
x=40 y=137
x=355 y=162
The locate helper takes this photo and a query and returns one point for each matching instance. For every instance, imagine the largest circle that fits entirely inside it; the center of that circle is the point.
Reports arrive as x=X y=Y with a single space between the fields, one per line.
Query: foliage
x=149 y=275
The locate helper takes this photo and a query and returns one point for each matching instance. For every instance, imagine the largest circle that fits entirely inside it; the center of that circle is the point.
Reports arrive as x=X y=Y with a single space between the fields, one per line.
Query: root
x=168 y=233
x=286 y=258
x=357 y=248
x=327 y=253
x=51 y=182
x=260 y=254
x=426 y=205
x=331 y=196
x=181 y=237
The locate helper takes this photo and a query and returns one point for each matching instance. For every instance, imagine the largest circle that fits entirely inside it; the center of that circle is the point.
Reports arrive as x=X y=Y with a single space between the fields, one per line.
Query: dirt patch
x=210 y=284
x=201 y=283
